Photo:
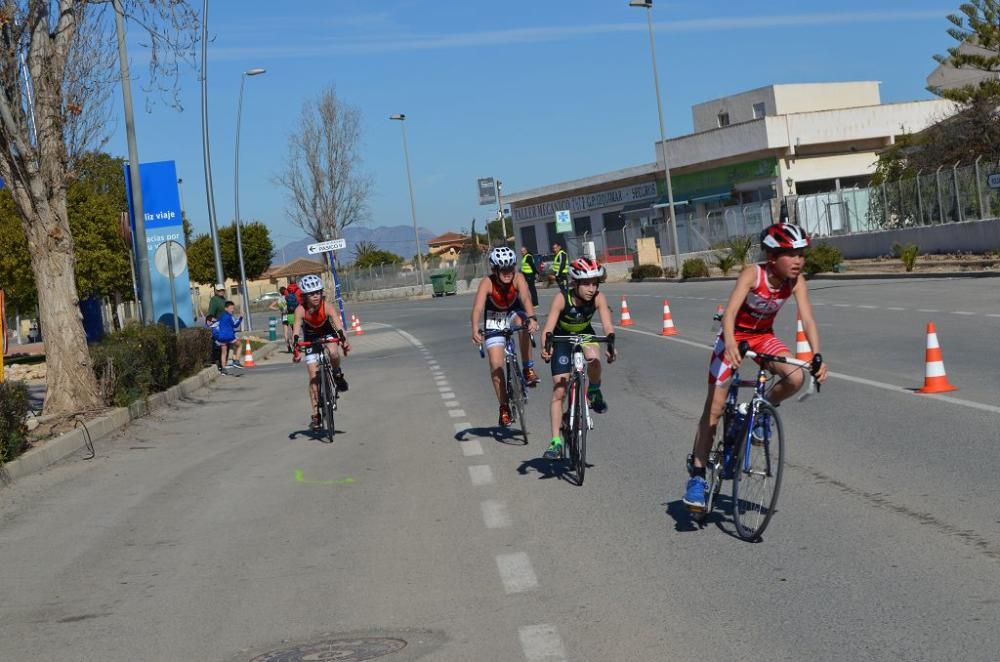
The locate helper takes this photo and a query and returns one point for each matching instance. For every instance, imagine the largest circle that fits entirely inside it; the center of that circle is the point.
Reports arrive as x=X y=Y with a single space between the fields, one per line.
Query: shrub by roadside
x=14 y=406
x=139 y=360
x=647 y=271
x=821 y=257
x=694 y=267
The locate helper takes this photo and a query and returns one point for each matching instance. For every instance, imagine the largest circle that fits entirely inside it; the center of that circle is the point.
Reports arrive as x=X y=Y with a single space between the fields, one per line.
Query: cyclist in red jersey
x=503 y=294
x=315 y=319
x=758 y=295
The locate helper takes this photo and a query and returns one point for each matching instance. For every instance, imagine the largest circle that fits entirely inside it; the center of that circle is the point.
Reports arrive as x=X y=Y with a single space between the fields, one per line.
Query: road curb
x=68 y=443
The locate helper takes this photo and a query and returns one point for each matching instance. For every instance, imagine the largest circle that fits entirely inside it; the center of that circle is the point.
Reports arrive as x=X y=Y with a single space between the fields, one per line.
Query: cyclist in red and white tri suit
x=758 y=295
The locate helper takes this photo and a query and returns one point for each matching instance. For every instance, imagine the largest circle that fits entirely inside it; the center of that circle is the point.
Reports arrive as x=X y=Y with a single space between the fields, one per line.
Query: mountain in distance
x=397 y=239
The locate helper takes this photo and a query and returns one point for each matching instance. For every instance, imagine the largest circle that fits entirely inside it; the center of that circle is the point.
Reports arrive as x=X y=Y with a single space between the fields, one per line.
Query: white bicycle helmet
x=585 y=268
x=310 y=283
x=502 y=257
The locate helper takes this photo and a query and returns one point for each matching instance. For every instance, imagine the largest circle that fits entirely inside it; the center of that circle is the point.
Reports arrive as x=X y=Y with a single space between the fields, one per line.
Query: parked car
x=267 y=297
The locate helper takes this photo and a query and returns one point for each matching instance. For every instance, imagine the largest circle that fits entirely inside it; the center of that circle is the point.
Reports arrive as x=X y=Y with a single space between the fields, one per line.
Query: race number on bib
x=497 y=321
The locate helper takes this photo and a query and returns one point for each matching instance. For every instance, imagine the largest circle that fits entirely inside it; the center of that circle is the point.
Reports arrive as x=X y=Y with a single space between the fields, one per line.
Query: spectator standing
x=281 y=305
x=528 y=271
x=224 y=334
x=560 y=266
x=217 y=303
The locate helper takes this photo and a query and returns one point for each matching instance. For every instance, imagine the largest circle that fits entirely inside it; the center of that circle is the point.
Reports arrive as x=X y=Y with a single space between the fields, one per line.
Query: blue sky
x=530 y=91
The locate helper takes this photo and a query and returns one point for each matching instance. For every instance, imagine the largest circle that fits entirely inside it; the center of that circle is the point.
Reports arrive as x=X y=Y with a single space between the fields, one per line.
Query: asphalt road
x=220 y=529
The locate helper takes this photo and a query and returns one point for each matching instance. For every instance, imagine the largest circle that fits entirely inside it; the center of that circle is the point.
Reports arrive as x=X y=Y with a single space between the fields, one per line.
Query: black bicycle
x=576 y=420
x=514 y=382
x=749 y=447
x=328 y=392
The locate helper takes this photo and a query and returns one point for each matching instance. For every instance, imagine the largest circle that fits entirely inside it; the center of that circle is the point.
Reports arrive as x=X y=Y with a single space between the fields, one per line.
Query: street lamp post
x=236 y=187
x=648 y=6
x=206 y=153
x=413 y=206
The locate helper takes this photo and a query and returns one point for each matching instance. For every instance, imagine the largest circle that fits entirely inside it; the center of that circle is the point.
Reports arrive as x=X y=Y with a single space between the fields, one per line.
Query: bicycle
x=576 y=419
x=749 y=448
x=328 y=392
x=514 y=382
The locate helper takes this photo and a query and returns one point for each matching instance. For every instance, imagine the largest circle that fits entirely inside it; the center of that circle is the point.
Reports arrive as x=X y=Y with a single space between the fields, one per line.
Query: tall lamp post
x=206 y=153
x=236 y=186
x=413 y=206
x=648 y=6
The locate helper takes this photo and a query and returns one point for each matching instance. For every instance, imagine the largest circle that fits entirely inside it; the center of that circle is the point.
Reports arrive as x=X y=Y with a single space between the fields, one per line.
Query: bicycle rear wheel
x=757 y=479
x=327 y=393
x=580 y=432
x=515 y=394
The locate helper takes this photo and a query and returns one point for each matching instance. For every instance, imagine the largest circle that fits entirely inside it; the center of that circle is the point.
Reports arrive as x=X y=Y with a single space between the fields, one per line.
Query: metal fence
x=388 y=276
x=948 y=194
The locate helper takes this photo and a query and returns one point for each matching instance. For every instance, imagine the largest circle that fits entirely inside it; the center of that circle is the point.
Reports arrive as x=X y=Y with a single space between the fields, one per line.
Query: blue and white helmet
x=310 y=283
x=502 y=257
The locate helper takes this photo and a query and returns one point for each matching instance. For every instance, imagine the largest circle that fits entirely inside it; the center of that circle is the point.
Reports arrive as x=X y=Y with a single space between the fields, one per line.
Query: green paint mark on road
x=301 y=478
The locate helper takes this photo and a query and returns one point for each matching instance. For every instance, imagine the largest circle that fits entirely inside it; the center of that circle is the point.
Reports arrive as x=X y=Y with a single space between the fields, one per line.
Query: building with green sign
x=747 y=153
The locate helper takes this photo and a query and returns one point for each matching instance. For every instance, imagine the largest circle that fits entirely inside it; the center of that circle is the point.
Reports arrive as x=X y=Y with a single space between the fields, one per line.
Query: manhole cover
x=342 y=650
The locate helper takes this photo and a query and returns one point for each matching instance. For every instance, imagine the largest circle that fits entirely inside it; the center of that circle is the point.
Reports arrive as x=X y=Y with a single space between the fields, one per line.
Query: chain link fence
x=388 y=276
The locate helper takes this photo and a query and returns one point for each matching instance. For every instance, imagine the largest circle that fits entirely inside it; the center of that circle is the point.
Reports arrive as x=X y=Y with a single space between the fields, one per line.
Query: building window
x=723 y=118
x=759 y=110
x=528 y=238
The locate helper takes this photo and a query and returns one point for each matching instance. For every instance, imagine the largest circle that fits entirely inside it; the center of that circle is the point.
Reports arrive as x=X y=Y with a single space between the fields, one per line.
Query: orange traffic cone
x=248 y=357
x=935 y=380
x=358 y=331
x=668 y=322
x=803 y=352
x=626 y=317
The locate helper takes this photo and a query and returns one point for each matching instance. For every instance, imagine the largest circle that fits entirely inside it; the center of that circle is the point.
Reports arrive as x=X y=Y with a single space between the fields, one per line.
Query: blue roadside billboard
x=164 y=232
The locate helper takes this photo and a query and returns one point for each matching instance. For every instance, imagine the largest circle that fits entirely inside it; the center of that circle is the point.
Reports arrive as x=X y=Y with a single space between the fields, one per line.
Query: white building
x=747 y=151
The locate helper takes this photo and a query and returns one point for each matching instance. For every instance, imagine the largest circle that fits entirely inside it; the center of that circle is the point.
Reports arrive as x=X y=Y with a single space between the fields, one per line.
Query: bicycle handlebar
x=812 y=366
x=337 y=340
x=506 y=333
x=578 y=339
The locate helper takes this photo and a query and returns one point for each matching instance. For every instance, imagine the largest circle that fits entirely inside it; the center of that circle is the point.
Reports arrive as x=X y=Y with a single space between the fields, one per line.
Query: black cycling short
x=562 y=353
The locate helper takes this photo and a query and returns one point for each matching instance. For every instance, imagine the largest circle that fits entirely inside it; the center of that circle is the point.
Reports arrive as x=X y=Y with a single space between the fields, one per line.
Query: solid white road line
x=471 y=448
x=495 y=515
x=541 y=643
x=516 y=572
x=849 y=378
x=481 y=474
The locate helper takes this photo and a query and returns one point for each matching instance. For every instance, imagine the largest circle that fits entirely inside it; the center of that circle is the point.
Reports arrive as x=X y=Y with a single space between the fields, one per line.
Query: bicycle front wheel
x=580 y=432
x=327 y=393
x=757 y=479
x=515 y=395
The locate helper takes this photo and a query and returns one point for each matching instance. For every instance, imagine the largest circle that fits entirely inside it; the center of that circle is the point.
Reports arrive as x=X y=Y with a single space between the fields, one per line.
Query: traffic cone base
x=935 y=379
x=248 y=357
x=626 y=317
x=668 y=322
x=358 y=331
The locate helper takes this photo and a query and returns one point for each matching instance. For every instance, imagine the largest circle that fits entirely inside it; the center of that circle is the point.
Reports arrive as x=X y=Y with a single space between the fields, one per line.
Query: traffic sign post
x=329 y=247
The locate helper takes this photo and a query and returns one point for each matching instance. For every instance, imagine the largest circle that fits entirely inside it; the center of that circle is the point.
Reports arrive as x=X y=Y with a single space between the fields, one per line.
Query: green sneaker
x=554 y=451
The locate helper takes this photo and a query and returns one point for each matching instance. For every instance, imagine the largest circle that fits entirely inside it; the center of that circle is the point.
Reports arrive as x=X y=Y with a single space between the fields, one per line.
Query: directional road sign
x=326 y=246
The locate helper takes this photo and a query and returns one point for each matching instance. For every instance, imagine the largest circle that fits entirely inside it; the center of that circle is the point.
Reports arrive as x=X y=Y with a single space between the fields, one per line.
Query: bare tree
x=55 y=59
x=327 y=191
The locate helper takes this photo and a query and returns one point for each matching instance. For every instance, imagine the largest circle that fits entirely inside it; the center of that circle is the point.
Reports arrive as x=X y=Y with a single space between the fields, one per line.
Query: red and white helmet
x=584 y=268
x=784 y=237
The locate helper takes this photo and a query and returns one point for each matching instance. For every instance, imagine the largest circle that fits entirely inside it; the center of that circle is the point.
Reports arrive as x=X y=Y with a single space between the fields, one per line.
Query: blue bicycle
x=749 y=448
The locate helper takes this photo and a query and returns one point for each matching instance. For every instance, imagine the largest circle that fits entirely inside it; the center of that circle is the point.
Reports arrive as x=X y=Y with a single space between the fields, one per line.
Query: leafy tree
x=257 y=251
x=62 y=51
x=376 y=257
x=363 y=248
x=16 y=278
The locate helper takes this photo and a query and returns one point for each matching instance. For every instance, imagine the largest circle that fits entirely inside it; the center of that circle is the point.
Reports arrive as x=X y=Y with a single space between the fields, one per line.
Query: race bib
x=497 y=321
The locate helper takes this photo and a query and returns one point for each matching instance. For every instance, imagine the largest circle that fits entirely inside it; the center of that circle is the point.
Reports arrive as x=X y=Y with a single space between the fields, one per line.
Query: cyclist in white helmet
x=315 y=319
x=500 y=296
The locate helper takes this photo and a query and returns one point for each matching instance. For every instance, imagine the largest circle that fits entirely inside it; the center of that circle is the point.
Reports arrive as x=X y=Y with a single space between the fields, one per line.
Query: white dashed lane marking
x=541 y=643
x=457 y=413
x=481 y=474
x=516 y=572
x=471 y=448
x=495 y=514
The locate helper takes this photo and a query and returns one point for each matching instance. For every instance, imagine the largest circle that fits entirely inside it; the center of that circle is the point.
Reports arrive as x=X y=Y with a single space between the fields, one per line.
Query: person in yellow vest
x=528 y=271
x=560 y=266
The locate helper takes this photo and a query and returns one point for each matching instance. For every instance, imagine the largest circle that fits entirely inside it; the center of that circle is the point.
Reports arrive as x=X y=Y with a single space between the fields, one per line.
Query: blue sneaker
x=694 y=495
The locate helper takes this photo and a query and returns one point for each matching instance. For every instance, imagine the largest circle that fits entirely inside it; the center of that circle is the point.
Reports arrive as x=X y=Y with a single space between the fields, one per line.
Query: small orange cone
x=626 y=317
x=358 y=331
x=803 y=352
x=668 y=322
x=248 y=357
x=935 y=379
x=719 y=310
